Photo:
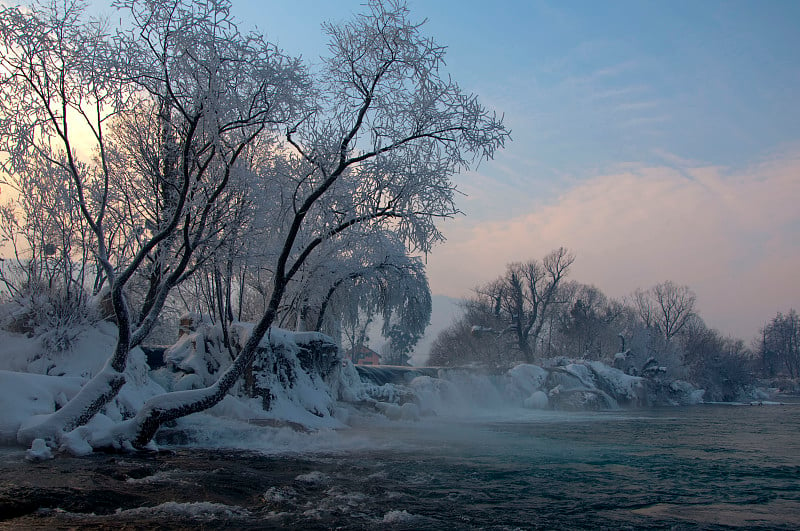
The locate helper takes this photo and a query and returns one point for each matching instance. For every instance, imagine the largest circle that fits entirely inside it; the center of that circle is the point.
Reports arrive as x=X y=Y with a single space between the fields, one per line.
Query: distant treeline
x=533 y=312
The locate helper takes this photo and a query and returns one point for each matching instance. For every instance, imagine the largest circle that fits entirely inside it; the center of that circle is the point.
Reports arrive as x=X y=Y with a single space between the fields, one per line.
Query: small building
x=363 y=355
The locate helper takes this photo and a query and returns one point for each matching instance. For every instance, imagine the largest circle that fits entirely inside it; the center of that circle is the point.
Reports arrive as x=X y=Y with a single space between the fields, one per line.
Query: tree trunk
x=98 y=392
x=170 y=406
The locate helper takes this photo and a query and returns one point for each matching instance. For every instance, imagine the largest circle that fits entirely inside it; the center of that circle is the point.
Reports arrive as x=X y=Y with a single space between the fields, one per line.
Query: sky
x=657 y=140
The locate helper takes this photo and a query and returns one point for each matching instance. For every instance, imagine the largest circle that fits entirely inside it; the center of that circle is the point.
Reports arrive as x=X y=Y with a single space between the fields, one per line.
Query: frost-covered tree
x=46 y=276
x=183 y=82
x=377 y=278
x=390 y=288
x=386 y=133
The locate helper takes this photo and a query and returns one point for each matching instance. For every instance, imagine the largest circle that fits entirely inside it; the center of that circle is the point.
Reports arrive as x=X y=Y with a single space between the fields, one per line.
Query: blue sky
x=658 y=140
x=584 y=84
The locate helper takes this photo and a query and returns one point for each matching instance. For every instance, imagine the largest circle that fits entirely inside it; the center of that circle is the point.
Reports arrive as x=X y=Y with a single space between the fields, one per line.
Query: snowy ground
x=309 y=413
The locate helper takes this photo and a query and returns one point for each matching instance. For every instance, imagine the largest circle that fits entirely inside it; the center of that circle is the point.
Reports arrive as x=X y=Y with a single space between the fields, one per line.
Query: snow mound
x=39 y=451
x=24 y=395
x=537 y=400
x=85 y=357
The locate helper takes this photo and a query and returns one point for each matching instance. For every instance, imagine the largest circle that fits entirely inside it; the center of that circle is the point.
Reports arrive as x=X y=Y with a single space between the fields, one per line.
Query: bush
x=53 y=314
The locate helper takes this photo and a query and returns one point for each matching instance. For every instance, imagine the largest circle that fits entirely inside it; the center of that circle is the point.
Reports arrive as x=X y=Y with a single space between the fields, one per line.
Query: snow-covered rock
x=561 y=385
x=23 y=395
x=525 y=379
x=625 y=389
x=39 y=451
x=298 y=382
x=538 y=400
x=293 y=381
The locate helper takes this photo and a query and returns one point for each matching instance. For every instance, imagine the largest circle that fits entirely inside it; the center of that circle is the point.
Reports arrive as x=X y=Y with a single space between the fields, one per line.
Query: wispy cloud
x=731 y=235
x=636 y=106
x=617 y=93
x=645 y=120
x=599 y=76
x=613 y=70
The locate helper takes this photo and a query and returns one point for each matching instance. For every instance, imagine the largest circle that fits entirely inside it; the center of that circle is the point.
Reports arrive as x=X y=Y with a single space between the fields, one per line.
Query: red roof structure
x=363 y=355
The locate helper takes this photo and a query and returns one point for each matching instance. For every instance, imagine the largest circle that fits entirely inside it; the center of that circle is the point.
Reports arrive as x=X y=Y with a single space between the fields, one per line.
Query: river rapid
x=699 y=467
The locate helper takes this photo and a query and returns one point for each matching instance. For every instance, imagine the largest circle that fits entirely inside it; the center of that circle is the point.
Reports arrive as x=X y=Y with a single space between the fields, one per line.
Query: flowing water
x=709 y=467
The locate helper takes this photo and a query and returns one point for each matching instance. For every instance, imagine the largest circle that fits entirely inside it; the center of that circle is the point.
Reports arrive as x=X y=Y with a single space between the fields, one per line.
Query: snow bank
x=24 y=395
x=470 y=392
x=83 y=360
x=297 y=393
x=39 y=451
x=86 y=356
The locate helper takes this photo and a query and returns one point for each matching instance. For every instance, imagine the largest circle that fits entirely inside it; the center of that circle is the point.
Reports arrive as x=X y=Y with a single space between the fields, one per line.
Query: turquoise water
x=700 y=466
x=703 y=467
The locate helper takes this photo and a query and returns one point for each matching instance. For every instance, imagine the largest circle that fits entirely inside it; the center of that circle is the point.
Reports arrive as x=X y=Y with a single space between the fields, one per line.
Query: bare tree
x=780 y=345
x=590 y=325
x=667 y=307
x=522 y=298
x=469 y=340
x=722 y=366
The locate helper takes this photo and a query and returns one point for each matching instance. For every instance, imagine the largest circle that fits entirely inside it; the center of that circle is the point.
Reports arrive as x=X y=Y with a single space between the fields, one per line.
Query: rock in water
x=39 y=451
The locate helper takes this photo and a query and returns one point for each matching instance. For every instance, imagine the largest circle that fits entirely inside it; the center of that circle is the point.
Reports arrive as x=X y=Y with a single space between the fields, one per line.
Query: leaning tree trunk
x=171 y=406
x=98 y=392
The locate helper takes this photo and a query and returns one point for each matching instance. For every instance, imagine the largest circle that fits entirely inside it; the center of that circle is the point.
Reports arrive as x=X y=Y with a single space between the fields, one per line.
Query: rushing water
x=710 y=466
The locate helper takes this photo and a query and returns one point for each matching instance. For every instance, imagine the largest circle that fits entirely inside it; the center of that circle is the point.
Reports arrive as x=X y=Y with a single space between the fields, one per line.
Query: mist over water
x=701 y=465
x=708 y=466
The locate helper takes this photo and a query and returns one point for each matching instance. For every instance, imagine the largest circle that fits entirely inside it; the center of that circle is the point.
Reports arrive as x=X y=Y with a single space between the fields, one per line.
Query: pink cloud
x=731 y=236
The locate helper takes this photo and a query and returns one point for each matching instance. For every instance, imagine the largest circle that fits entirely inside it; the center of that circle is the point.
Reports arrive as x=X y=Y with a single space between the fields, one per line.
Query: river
x=707 y=467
